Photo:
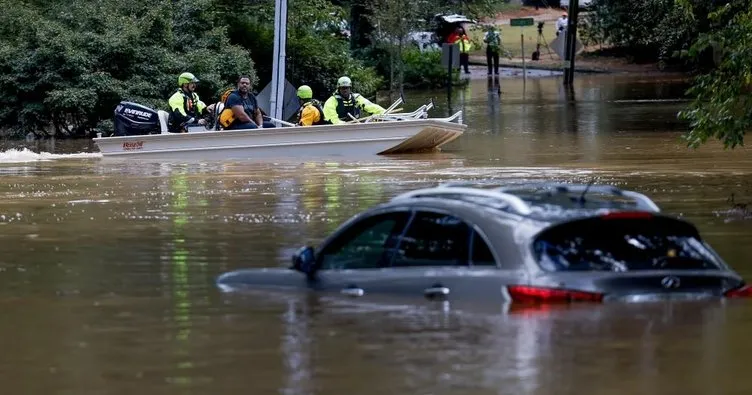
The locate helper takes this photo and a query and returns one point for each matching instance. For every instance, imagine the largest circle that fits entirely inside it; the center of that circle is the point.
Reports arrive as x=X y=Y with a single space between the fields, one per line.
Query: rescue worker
x=186 y=109
x=492 y=38
x=465 y=45
x=310 y=112
x=344 y=102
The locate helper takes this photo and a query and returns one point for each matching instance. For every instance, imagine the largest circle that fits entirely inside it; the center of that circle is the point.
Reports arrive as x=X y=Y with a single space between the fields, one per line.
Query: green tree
x=316 y=53
x=721 y=106
x=646 y=30
x=394 y=20
x=649 y=30
x=67 y=65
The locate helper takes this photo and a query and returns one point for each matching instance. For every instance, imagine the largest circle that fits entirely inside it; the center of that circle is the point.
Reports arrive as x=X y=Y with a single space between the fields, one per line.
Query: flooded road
x=107 y=267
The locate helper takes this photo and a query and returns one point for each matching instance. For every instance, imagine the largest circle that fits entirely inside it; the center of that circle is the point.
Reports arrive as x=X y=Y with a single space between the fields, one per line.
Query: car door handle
x=353 y=291
x=436 y=290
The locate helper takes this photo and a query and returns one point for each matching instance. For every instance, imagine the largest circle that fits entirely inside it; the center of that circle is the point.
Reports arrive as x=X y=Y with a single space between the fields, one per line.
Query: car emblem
x=670 y=282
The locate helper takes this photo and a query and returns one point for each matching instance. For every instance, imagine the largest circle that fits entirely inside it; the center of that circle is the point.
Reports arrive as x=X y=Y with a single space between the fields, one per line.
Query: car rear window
x=622 y=245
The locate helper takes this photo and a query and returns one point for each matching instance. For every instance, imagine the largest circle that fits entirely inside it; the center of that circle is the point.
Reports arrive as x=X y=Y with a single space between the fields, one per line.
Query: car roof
x=548 y=203
x=454 y=18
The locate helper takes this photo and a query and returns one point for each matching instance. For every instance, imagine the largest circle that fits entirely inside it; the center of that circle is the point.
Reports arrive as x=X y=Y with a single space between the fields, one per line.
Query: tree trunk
x=400 y=65
x=361 y=27
x=391 y=71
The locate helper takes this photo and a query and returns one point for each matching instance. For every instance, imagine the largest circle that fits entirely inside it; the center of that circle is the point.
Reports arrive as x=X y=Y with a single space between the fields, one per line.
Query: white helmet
x=344 y=81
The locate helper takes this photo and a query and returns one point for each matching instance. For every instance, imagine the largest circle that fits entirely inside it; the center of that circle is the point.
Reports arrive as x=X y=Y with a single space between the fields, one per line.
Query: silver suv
x=531 y=243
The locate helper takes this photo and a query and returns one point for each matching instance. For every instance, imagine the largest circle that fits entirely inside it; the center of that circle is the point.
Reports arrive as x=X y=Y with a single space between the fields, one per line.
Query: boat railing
x=394 y=105
x=456 y=117
x=419 y=113
x=281 y=122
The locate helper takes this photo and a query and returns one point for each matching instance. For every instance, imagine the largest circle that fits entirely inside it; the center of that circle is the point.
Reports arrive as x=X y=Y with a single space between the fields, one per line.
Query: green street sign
x=522 y=22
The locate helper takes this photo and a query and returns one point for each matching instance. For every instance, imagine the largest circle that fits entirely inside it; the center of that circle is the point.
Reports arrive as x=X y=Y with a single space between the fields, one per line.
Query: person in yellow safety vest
x=465 y=45
x=185 y=105
x=310 y=112
x=344 y=102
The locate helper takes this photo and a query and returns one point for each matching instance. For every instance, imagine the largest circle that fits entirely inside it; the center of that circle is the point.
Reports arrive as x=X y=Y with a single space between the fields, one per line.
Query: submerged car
x=532 y=243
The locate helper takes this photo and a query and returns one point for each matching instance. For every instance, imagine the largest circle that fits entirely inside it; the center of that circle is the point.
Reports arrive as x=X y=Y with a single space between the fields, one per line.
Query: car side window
x=367 y=244
x=481 y=254
x=434 y=239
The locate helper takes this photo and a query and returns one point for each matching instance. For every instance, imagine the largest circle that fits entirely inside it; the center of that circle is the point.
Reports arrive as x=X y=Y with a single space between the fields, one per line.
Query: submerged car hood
x=260 y=278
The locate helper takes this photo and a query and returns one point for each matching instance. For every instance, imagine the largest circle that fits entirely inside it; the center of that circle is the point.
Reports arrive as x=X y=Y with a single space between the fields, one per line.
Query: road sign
x=521 y=22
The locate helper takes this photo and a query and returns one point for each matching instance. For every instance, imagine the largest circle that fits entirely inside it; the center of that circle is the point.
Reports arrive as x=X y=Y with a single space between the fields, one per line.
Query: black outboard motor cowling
x=132 y=119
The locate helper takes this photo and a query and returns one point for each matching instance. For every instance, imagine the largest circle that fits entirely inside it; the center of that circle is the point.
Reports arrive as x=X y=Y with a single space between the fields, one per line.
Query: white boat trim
x=234 y=147
x=383 y=137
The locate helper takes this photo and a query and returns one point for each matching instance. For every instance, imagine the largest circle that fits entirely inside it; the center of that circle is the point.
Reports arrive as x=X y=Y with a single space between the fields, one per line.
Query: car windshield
x=623 y=245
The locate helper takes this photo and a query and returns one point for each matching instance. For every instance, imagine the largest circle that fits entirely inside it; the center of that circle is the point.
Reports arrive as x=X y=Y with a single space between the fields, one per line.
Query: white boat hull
x=344 y=140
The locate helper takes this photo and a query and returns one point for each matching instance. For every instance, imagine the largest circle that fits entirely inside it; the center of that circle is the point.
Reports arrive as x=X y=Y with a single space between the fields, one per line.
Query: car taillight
x=527 y=294
x=744 y=291
x=627 y=215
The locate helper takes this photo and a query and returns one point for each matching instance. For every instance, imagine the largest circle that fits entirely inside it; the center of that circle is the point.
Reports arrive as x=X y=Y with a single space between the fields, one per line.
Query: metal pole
x=571 y=41
x=450 y=63
x=449 y=67
x=276 y=98
x=522 y=47
x=572 y=22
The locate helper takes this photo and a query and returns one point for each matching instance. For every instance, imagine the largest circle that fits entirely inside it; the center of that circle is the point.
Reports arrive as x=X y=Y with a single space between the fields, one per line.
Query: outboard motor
x=132 y=119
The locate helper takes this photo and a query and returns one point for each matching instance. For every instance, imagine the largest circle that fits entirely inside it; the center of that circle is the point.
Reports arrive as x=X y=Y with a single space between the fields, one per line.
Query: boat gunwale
x=236 y=147
x=452 y=126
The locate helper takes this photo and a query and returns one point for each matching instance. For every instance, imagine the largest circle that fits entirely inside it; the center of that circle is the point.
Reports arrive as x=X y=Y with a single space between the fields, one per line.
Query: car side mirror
x=304 y=260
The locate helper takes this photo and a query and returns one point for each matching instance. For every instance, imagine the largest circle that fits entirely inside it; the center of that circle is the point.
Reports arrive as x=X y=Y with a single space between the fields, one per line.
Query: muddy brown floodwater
x=107 y=267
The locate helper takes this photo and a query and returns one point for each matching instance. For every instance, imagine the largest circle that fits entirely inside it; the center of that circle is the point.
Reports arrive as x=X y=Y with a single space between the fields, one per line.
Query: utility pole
x=571 y=41
x=276 y=99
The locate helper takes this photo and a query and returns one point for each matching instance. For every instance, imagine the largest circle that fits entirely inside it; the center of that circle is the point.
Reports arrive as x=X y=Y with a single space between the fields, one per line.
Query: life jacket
x=226 y=117
x=189 y=103
x=317 y=105
x=464 y=44
x=347 y=106
x=176 y=119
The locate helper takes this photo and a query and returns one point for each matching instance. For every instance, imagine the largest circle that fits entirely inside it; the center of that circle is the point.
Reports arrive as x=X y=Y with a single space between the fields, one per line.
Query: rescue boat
x=141 y=132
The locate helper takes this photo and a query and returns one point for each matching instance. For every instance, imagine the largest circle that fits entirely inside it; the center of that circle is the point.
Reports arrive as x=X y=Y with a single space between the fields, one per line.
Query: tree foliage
x=316 y=53
x=650 y=30
x=67 y=64
x=393 y=21
x=722 y=98
x=399 y=59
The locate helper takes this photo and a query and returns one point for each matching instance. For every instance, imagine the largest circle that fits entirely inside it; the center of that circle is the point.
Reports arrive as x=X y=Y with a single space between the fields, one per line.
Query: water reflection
x=494 y=100
x=179 y=276
x=599 y=349
x=296 y=351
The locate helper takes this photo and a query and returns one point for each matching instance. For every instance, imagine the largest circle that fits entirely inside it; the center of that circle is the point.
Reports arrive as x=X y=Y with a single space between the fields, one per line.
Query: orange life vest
x=226 y=117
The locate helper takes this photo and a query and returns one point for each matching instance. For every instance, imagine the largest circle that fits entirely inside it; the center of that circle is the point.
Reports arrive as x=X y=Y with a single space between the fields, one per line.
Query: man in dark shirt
x=245 y=110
